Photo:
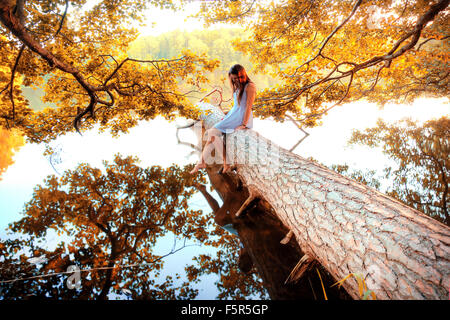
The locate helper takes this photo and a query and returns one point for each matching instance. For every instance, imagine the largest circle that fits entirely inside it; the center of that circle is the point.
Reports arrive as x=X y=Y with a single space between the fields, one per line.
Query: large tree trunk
x=338 y=223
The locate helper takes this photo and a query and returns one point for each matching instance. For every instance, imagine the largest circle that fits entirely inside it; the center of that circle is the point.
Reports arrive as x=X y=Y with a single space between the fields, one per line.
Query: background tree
x=109 y=218
x=421 y=177
x=77 y=54
x=331 y=52
x=237 y=279
x=367 y=177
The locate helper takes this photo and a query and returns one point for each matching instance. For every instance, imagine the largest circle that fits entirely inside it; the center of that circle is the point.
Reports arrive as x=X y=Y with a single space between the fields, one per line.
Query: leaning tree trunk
x=336 y=222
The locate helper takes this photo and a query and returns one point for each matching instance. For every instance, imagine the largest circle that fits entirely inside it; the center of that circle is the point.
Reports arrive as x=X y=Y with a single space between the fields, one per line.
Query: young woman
x=238 y=118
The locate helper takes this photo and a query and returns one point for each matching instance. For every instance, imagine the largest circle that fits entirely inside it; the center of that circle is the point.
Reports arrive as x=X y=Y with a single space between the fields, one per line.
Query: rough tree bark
x=335 y=222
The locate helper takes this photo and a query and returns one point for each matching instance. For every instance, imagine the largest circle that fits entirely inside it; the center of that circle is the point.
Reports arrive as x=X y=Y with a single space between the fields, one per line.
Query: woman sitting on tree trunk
x=238 y=118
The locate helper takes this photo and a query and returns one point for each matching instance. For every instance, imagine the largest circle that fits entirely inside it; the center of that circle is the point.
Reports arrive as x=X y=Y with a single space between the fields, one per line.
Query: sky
x=180 y=20
x=154 y=143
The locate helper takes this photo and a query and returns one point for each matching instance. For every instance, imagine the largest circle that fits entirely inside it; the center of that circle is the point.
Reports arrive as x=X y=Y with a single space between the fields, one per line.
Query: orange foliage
x=10 y=142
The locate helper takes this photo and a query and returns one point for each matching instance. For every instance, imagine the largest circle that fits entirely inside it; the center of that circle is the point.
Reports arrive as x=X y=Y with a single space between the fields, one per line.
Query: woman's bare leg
x=209 y=146
x=214 y=142
x=226 y=166
x=201 y=162
x=219 y=146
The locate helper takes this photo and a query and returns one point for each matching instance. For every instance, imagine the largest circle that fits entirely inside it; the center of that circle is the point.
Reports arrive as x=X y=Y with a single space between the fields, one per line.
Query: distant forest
x=215 y=43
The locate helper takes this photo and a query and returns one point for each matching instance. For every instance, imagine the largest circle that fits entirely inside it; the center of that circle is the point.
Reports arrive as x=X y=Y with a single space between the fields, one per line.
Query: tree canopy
x=78 y=57
x=331 y=52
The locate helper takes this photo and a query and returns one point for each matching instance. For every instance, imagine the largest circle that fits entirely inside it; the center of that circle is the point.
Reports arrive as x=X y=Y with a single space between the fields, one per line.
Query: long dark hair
x=236 y=70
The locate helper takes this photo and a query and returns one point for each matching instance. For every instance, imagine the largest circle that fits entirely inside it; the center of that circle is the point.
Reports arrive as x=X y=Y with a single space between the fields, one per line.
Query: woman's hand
x=241 y=127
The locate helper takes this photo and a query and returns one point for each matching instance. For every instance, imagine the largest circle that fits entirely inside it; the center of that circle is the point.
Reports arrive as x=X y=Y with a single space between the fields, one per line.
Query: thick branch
x=18 y=30
x=211 y=201
x=343 y=224
x=19 y=10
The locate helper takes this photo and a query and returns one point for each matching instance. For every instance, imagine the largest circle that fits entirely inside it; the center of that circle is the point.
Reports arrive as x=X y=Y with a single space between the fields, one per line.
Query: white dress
x=235 y=117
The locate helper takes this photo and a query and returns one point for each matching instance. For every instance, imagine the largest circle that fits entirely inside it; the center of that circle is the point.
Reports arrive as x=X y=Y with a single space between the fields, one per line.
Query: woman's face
x=238 y=79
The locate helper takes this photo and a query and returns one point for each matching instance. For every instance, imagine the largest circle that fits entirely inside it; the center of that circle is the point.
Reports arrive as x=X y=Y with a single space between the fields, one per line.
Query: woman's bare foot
x=197 y=167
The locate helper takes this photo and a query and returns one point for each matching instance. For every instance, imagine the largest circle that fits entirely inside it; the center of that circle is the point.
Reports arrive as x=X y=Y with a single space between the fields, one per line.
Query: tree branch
x=396 y=51
x=62 y=18
x=238 y=15
x=293 y=21
x=191 y=145
x=301 y=129
x=11 y=85
x=319 y=53
x=209 y=198
x=427 y=40
x=18 y=10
